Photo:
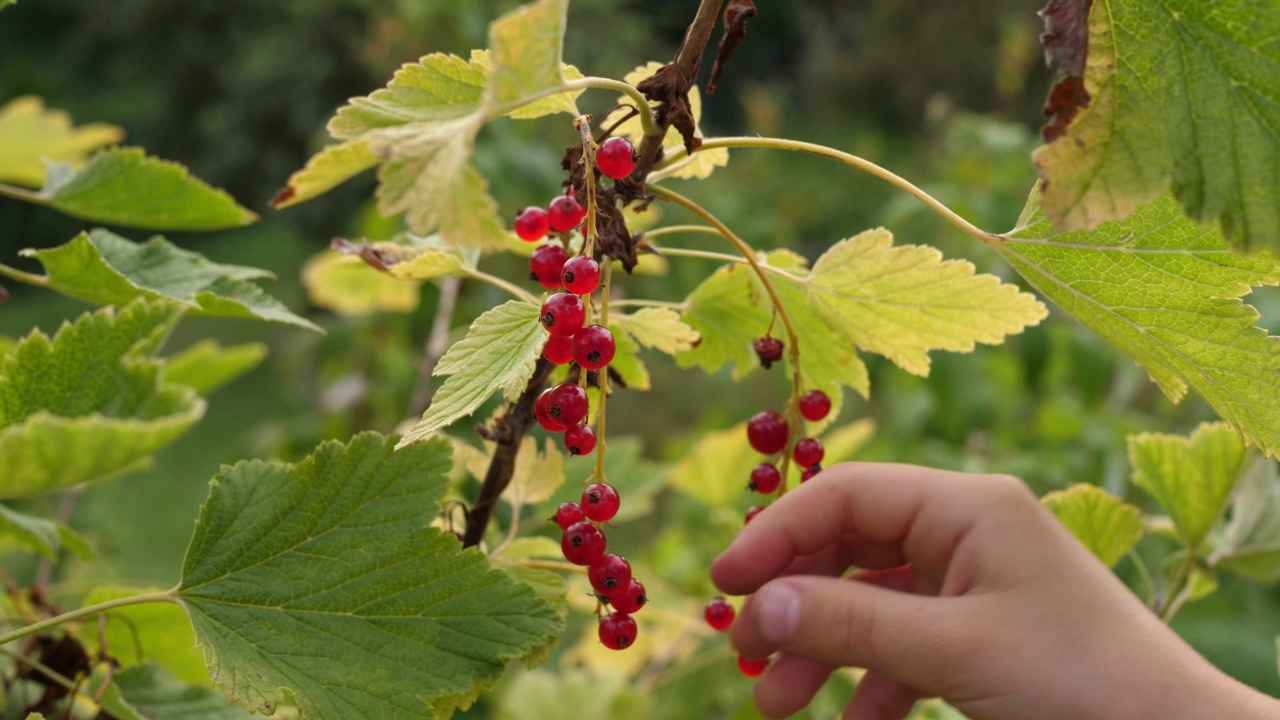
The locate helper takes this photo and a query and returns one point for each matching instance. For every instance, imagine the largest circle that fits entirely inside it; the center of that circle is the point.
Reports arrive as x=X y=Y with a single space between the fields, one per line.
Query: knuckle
x=1011 y=490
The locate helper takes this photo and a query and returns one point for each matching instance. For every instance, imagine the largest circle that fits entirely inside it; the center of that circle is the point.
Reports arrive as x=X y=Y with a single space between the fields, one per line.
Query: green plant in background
x=399 y=577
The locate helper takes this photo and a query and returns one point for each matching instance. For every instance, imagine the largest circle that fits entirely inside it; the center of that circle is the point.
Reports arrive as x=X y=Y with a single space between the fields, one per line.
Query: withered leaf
x=736 y=16
x=1066 y=47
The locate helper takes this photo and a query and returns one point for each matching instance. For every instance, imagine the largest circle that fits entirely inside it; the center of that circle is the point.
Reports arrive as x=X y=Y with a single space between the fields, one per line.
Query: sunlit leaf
x=526 y=47
x=1191 y=477
x=716 y=470
x=328 y=169
x=30 y=135
x=348 y=285
x=702 y=164
x=1106 y=525
x=659 y=328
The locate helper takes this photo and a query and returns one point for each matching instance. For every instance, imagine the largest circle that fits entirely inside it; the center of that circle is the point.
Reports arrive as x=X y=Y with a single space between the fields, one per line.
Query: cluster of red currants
x=583 y=543
x=768 y=432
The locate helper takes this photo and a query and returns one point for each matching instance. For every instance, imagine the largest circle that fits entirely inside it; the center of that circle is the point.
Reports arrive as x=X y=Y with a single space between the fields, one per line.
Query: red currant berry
x=564 y=212
x=631 y=599
x=543 y=417
x=719 y=614
x=563 y=314
x=609 y=574
x=581 y=275
x=567 y=404
x=580 y=439
x=545 y=265
x=751 y=513
x=814 y=405
x=558 y=350
x=582 y=543
x=593 y=347
x=568 y=514
x=808 y=452
x=532 y=224
x=617 y=631
x=616 y=158
x=809 y=473
x=765 y=478
x=767 y=431
x=600 y=502
x=752 y=668
x=769 y=350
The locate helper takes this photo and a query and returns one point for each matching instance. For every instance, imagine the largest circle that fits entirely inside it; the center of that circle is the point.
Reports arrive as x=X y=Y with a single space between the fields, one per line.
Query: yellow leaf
x=660 y=329
x=347 y=285
x=326 y=170
x=30 y=134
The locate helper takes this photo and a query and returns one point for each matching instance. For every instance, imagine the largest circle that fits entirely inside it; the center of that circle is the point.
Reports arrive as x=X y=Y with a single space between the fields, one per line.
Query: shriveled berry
x=563 y=314
x=559 y=349
x=766 y=431
x=814 y=405
x=579 y=439
x=609 y=574
x=631 y=599
x=568 y=514
x=719 y=614
x=810 y=472
x=593 y=347
x=583 y=543
x=532 y=224
x=617 y=631
x=567 y=404
x=600 y=502
x=765 y=478
x=752 y=668
x=564 y=212
x=543 y=417
x=751 y=513
x=769 y=350
x=616 y=158
x=808 y=452
x=581 y=275
x=546 y=265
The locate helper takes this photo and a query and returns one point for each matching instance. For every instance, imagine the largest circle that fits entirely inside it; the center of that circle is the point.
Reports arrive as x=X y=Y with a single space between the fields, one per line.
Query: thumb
x=916 y=639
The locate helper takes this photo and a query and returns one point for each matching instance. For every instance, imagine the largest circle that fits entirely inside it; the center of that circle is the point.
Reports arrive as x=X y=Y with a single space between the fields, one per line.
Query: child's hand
x=969 y=590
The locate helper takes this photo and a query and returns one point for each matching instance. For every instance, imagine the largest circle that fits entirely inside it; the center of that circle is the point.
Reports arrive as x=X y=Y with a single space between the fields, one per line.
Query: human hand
x=969 y=590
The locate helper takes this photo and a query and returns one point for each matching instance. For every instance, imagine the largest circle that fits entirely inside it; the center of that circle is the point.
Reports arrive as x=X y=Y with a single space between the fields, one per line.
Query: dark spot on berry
x=622 y=641
x=568 y=276
x=548 y=319
x=576 y=541
x=593 y=357
x=611 y=582
x=642 y=599
x=593 y=498
x=554 y=411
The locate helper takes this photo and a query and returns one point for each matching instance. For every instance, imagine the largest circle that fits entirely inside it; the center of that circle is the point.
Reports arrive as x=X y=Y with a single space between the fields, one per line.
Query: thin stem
x=24 y=277
x=587 y=83
x=677 y=229
x=642 y=303
x=23 y=193
x=519 y=292
x=165 y=596
x=725 y=257
x=847 y=158
x=606 y=284
x=52 y=674
x=1185 y=580
x=1145 y=574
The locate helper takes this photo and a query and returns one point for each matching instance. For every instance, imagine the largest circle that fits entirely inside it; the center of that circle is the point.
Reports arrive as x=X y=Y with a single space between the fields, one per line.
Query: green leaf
x=40 y=535
x=626 y=360
x=527 y=44
x=122 y=186
x=152 y=632
x=1192 y=478
x=307 y=576
x=703 y=163
x=103 y=268
x=1181 y=94
x=30 y=135
x=326 y=170
x=1167 y=292
x=1106 y=525
x=499 y=352
x=1251 y=542
x=152 y=692
x=349 y=286
x=207 y=366
x=91 y=388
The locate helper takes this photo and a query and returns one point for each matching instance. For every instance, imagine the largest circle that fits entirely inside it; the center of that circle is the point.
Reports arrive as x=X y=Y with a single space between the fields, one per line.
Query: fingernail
x=777 y=609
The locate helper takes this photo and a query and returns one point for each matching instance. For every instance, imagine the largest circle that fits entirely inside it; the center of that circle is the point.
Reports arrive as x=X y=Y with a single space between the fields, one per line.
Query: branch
x=507 y=433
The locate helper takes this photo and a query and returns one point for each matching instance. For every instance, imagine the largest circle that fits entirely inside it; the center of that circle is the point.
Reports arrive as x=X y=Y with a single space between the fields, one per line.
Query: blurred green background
x=946 y=94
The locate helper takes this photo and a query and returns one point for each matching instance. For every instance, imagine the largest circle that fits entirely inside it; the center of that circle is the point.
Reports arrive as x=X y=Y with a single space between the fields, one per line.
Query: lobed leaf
x=103 y=268
x=207 y=366
x=1181 y=95
x=527 y=44
x=92 y=388
x=499 y=352
x=1167 y=292
x=659 y=328
x=302 y=577
x=326 y=170
x=30 y=135
x=716 y=470
x=348 y=285
x=1191 y=477
x=1106 y=525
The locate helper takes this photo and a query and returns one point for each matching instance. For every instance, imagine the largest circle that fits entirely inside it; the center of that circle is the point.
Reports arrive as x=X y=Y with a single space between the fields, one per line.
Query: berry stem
x=587 y=83
x=165 y=596
x=643 y=303
x=848 y=159
x=677 y=229
x=606 y=284
x=519 y=292
x=793 y=338
x=725 y=257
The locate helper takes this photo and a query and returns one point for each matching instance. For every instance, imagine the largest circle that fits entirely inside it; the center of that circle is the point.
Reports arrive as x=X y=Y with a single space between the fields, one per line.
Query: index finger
x=878 y=503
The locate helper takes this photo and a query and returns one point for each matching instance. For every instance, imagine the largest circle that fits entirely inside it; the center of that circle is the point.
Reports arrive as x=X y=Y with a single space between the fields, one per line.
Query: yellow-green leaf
x=1191 y=477
x=717 y=469
x=702 y=164
x=1106 y=525
x=348 y=285
x=329 y=168
x=527 y=44
x=626 y=360
x=658 y=328
x=31 y=135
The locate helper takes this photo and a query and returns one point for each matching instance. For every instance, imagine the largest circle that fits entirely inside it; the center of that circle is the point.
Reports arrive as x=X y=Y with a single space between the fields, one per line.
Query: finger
x=789 y=685
x=922 y=511
x=880 y=697
x=851 y=551
x=899 y=579
x=837 y=622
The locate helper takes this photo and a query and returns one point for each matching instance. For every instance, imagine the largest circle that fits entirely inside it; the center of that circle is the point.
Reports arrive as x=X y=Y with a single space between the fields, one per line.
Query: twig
x=689 y=56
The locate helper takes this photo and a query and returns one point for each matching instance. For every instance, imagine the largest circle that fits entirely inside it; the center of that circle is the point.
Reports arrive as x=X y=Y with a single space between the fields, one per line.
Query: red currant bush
x=579 y=439
x=719 y=614
x=568 y=514
x=808 y=452
x=559 y=349
x=546 y=265
x=565 y=213
x=532 y=224
x=600 y=502
x=631 y=599
x=609 y=574
x=581 y=275
x=617 y=631
x=563 y=314
x=769 y=350
x=583 y=543
x=593 y=347
x=766 y=431
x=814 y=405
x=567 y=404
x=616 y=158
x=765 y=478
